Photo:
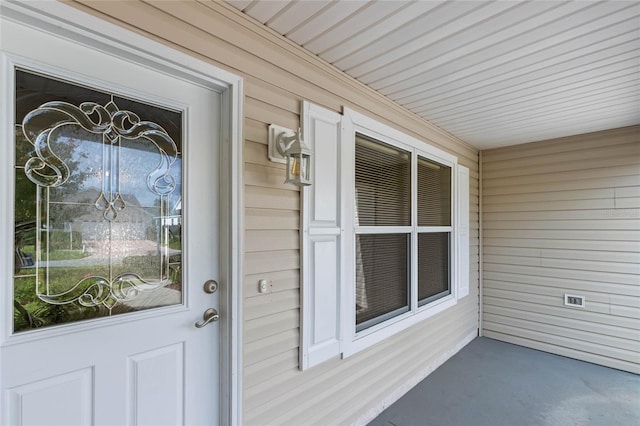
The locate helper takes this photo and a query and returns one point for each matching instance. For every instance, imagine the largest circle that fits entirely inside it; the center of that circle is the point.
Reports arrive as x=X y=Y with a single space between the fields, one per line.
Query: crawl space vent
x=573 y=300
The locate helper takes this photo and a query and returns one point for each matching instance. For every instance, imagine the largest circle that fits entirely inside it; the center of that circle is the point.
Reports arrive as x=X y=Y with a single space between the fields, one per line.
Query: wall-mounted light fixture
x=287 y=146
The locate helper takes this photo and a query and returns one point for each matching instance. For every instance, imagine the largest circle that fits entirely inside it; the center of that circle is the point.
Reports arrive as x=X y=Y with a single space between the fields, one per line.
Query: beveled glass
x=98 y=204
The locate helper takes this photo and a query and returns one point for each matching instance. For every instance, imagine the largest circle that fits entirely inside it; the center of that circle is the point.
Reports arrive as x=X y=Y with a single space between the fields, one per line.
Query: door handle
x=209 y=315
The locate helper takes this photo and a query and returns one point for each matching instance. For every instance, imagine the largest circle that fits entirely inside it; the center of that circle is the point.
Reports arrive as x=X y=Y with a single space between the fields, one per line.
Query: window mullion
x=383 y=229
x=425 y=229
x=413 y=262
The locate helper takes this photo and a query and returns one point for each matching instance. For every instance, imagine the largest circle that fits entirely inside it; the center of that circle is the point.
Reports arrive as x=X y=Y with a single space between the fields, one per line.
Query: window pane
x=434 y=193
x=97 y=207
x=382 y=277
x=433 y=266
x=383 y=184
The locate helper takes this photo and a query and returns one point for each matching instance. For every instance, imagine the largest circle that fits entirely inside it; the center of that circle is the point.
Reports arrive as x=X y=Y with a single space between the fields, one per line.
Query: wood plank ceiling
x=493 y=73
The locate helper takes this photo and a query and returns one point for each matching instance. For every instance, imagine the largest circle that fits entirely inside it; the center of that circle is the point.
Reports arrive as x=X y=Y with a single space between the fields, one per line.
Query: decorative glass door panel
x=98 y=204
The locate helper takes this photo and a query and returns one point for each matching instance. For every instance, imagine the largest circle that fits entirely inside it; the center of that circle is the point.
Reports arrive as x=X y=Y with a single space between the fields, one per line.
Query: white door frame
x=70 y=23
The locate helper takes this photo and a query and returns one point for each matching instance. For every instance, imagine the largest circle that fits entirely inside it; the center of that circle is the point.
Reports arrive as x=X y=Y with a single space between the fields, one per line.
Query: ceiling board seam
x=256 y=4
x=388 y=34
x=337 y=24
x=541 y=91
x=514 y=112
x=439 y=113
x=271 y=36
x=623 y=120
x=475 y=93
x=577 y=120
x=512 y=107
x=490 y=48
x=383 y=32
x=483 y=86
x=317 y=15
x=557 y=113
x=251 y=5
x=367 y=28
x=451 y=35
x=240 y=4
x=526 y=54
x=280 y=12
x=421 y=35
x=433 y=96
x=572 y=71
x=529 y=100
x=304 y=22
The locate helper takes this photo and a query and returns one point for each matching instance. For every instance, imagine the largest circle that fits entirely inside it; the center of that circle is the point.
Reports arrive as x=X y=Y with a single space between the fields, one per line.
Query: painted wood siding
x=563 y=216
x=278 y=76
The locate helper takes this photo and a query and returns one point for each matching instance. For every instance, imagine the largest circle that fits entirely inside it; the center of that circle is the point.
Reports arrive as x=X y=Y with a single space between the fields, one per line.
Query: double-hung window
x=401 y=255
x=434 y=230
x=385 y=233
x=382 y=225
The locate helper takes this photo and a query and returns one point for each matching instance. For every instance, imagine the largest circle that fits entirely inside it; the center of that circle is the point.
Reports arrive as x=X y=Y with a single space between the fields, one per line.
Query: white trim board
x=69 y=23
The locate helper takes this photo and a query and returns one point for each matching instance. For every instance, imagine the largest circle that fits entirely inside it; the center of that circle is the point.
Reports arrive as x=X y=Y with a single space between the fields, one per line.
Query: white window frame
x=354 y=122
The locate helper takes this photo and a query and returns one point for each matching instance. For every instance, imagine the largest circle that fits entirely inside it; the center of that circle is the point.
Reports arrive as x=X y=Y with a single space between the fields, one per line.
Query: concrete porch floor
x=494 y=383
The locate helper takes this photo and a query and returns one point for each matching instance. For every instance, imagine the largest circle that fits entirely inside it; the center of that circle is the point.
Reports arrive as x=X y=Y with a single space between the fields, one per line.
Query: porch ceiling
x=491 y=73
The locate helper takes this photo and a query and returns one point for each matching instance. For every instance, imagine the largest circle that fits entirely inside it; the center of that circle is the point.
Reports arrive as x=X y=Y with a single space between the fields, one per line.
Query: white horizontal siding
x=561 y=217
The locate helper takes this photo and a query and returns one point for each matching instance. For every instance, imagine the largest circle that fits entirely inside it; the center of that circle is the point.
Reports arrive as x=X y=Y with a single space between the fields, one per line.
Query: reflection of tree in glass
x=25 y=191
x=29 y=310
x=66 y=147
x=70 y=213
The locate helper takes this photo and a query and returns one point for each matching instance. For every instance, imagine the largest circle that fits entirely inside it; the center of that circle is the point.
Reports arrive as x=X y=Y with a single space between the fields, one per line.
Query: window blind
x=383 y=184
x=433 y=266
x=434 y=193
x=382 y=277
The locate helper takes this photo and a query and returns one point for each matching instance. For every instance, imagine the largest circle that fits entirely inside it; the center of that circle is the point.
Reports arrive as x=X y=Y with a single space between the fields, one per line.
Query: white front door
x=112 y=175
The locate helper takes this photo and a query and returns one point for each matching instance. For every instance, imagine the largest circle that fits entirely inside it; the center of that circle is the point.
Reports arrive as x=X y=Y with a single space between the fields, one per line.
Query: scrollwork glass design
x=98 y=204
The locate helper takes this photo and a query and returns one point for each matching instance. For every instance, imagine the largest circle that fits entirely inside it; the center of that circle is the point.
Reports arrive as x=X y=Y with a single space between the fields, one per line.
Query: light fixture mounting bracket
x=276 y=135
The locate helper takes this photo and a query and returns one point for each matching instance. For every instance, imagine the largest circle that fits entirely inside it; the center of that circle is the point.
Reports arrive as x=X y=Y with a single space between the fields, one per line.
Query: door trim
x=68 y=22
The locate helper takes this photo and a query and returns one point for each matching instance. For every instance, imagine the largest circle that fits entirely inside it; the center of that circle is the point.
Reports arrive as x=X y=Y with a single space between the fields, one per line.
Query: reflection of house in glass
x=141 y=239
x=133 y=246
x=172 y=221
x=97 y=217
x=135 y=230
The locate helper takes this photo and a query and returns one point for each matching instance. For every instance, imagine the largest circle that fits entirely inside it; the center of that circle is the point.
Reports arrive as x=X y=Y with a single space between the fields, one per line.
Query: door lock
x=211 y=286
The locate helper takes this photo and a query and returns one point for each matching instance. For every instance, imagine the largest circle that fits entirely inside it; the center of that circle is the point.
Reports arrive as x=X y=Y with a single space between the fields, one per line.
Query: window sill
x=376 y=334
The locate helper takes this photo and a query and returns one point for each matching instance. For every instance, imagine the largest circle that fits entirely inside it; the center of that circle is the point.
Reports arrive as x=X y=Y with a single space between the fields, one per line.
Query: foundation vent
x=573 y=300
